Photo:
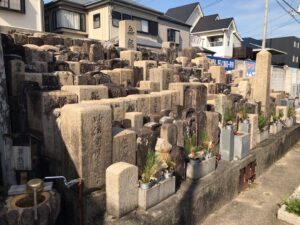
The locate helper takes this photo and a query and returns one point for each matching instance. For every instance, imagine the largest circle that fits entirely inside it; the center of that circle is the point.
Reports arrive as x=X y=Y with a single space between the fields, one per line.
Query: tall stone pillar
x=127 y=34
x=8 y=175
x=261 y=89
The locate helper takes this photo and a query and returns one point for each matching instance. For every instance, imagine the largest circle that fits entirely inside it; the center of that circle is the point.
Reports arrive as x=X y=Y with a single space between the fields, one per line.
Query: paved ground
x=258 y=205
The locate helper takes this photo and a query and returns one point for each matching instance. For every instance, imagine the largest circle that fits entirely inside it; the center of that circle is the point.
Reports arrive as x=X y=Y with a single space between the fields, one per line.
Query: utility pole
x=265 y=25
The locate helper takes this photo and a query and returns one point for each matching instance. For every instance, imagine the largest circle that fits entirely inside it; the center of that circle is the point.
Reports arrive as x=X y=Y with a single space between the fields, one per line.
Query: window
x=153 y=28
x=47 y=23
x=142 y=25
x=297 y=59
x=96 y=21
x=295 y=44
x=294 y=58
x=70 y=20
x=126 y=17
x=116 y=17
x=15 y=5
x=298 y=44
x=173 y=36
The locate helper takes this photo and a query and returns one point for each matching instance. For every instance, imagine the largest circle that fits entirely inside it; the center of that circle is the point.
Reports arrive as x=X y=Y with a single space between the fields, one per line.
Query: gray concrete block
x=227 y=144
x=241 y=145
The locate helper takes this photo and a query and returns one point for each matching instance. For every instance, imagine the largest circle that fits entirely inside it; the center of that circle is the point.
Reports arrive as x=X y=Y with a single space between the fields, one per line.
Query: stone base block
x=289 y=122
x=285 y=216
x=156 y=194
x=263 y=135
x=275 y=128
x=198 y=170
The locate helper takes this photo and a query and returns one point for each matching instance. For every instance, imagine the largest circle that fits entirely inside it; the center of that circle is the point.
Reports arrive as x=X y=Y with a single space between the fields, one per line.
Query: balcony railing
x=216 y=43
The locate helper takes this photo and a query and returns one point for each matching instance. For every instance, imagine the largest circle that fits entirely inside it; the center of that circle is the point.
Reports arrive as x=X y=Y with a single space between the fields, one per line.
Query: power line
x=211 y=4
x=289 y=12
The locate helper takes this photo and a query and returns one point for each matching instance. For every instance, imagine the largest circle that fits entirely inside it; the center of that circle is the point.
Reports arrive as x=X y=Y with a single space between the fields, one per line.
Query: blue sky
x=248 y=14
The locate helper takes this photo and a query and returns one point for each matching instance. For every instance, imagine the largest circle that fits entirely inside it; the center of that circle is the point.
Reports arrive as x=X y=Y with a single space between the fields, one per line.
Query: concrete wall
x=32 y=19
x=277 y=79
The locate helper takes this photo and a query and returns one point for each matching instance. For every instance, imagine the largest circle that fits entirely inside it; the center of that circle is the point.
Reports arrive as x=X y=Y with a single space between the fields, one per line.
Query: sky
x=248 y=15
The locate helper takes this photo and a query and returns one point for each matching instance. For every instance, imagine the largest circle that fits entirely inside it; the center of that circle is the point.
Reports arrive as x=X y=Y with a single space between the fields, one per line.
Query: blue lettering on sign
x=228 y=64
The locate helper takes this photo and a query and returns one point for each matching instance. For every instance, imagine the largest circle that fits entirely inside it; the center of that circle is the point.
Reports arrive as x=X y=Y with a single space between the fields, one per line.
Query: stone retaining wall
x=194 y=201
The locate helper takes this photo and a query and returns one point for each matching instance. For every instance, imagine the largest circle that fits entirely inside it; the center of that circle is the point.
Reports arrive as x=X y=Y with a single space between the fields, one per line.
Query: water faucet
x=67 y=184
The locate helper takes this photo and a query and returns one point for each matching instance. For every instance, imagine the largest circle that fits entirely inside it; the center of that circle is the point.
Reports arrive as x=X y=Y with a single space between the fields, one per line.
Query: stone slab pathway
x=258 y=205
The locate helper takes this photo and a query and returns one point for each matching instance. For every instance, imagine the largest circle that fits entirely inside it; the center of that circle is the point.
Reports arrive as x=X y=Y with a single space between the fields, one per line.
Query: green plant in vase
x=291 y=112
x=280 y=114
x=262 y=122
x=150 y=169
x=191 y=148
x=228 y=116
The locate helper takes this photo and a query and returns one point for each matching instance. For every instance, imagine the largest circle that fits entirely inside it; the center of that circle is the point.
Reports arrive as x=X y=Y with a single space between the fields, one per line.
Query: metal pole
x=265 y=25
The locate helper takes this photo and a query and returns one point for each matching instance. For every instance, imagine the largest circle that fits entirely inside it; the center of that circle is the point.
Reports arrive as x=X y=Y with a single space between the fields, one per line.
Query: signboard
x=228 y=64
x=250 y=68
x=21 y=157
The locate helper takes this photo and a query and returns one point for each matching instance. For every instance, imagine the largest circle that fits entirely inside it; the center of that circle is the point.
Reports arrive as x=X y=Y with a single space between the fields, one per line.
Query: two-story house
x=99 y=19
x=210 y=32
x=22 y=14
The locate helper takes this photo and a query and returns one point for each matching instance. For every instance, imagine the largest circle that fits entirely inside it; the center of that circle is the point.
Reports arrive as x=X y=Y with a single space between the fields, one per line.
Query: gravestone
x=161 y=75
x=136 y=119
x=121 y=189
x=124 y=145
x=128 y=34
x=87 y=132
x=88 y=92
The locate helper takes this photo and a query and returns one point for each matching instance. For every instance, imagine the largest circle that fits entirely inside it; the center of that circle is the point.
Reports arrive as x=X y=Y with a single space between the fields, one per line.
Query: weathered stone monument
x=127 y=34
x=261 y=89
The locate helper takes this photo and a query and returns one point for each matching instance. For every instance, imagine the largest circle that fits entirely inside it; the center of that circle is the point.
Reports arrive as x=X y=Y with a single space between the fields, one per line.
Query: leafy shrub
x=293 y=205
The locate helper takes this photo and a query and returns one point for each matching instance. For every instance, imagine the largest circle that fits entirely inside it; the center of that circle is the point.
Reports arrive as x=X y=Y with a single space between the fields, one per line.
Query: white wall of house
x=163 y=27
x=136 y=13
x=101 y=33
x=230 y=41
x=194 y=17
x=221 y=49
x=32 y=19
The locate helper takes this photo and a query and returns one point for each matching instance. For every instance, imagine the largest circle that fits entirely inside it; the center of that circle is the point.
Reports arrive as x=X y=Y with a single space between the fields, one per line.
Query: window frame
x=175 y=31
x=99 y=16
x=82 y=20
x=22 y=9
x=112 y=18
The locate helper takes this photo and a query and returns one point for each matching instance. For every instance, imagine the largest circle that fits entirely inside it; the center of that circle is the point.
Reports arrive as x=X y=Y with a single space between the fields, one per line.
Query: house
x=99 y=19
x=22 y=14
x=218 y=35
x=209 y=32
x=288 y=45
x=189 y=14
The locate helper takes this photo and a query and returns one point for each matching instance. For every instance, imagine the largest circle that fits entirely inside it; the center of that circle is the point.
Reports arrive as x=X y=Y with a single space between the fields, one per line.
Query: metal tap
x=67 y=184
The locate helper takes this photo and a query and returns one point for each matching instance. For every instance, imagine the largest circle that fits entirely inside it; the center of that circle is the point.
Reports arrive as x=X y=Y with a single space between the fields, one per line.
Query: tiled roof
x=211 y=22
x=182 y=13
